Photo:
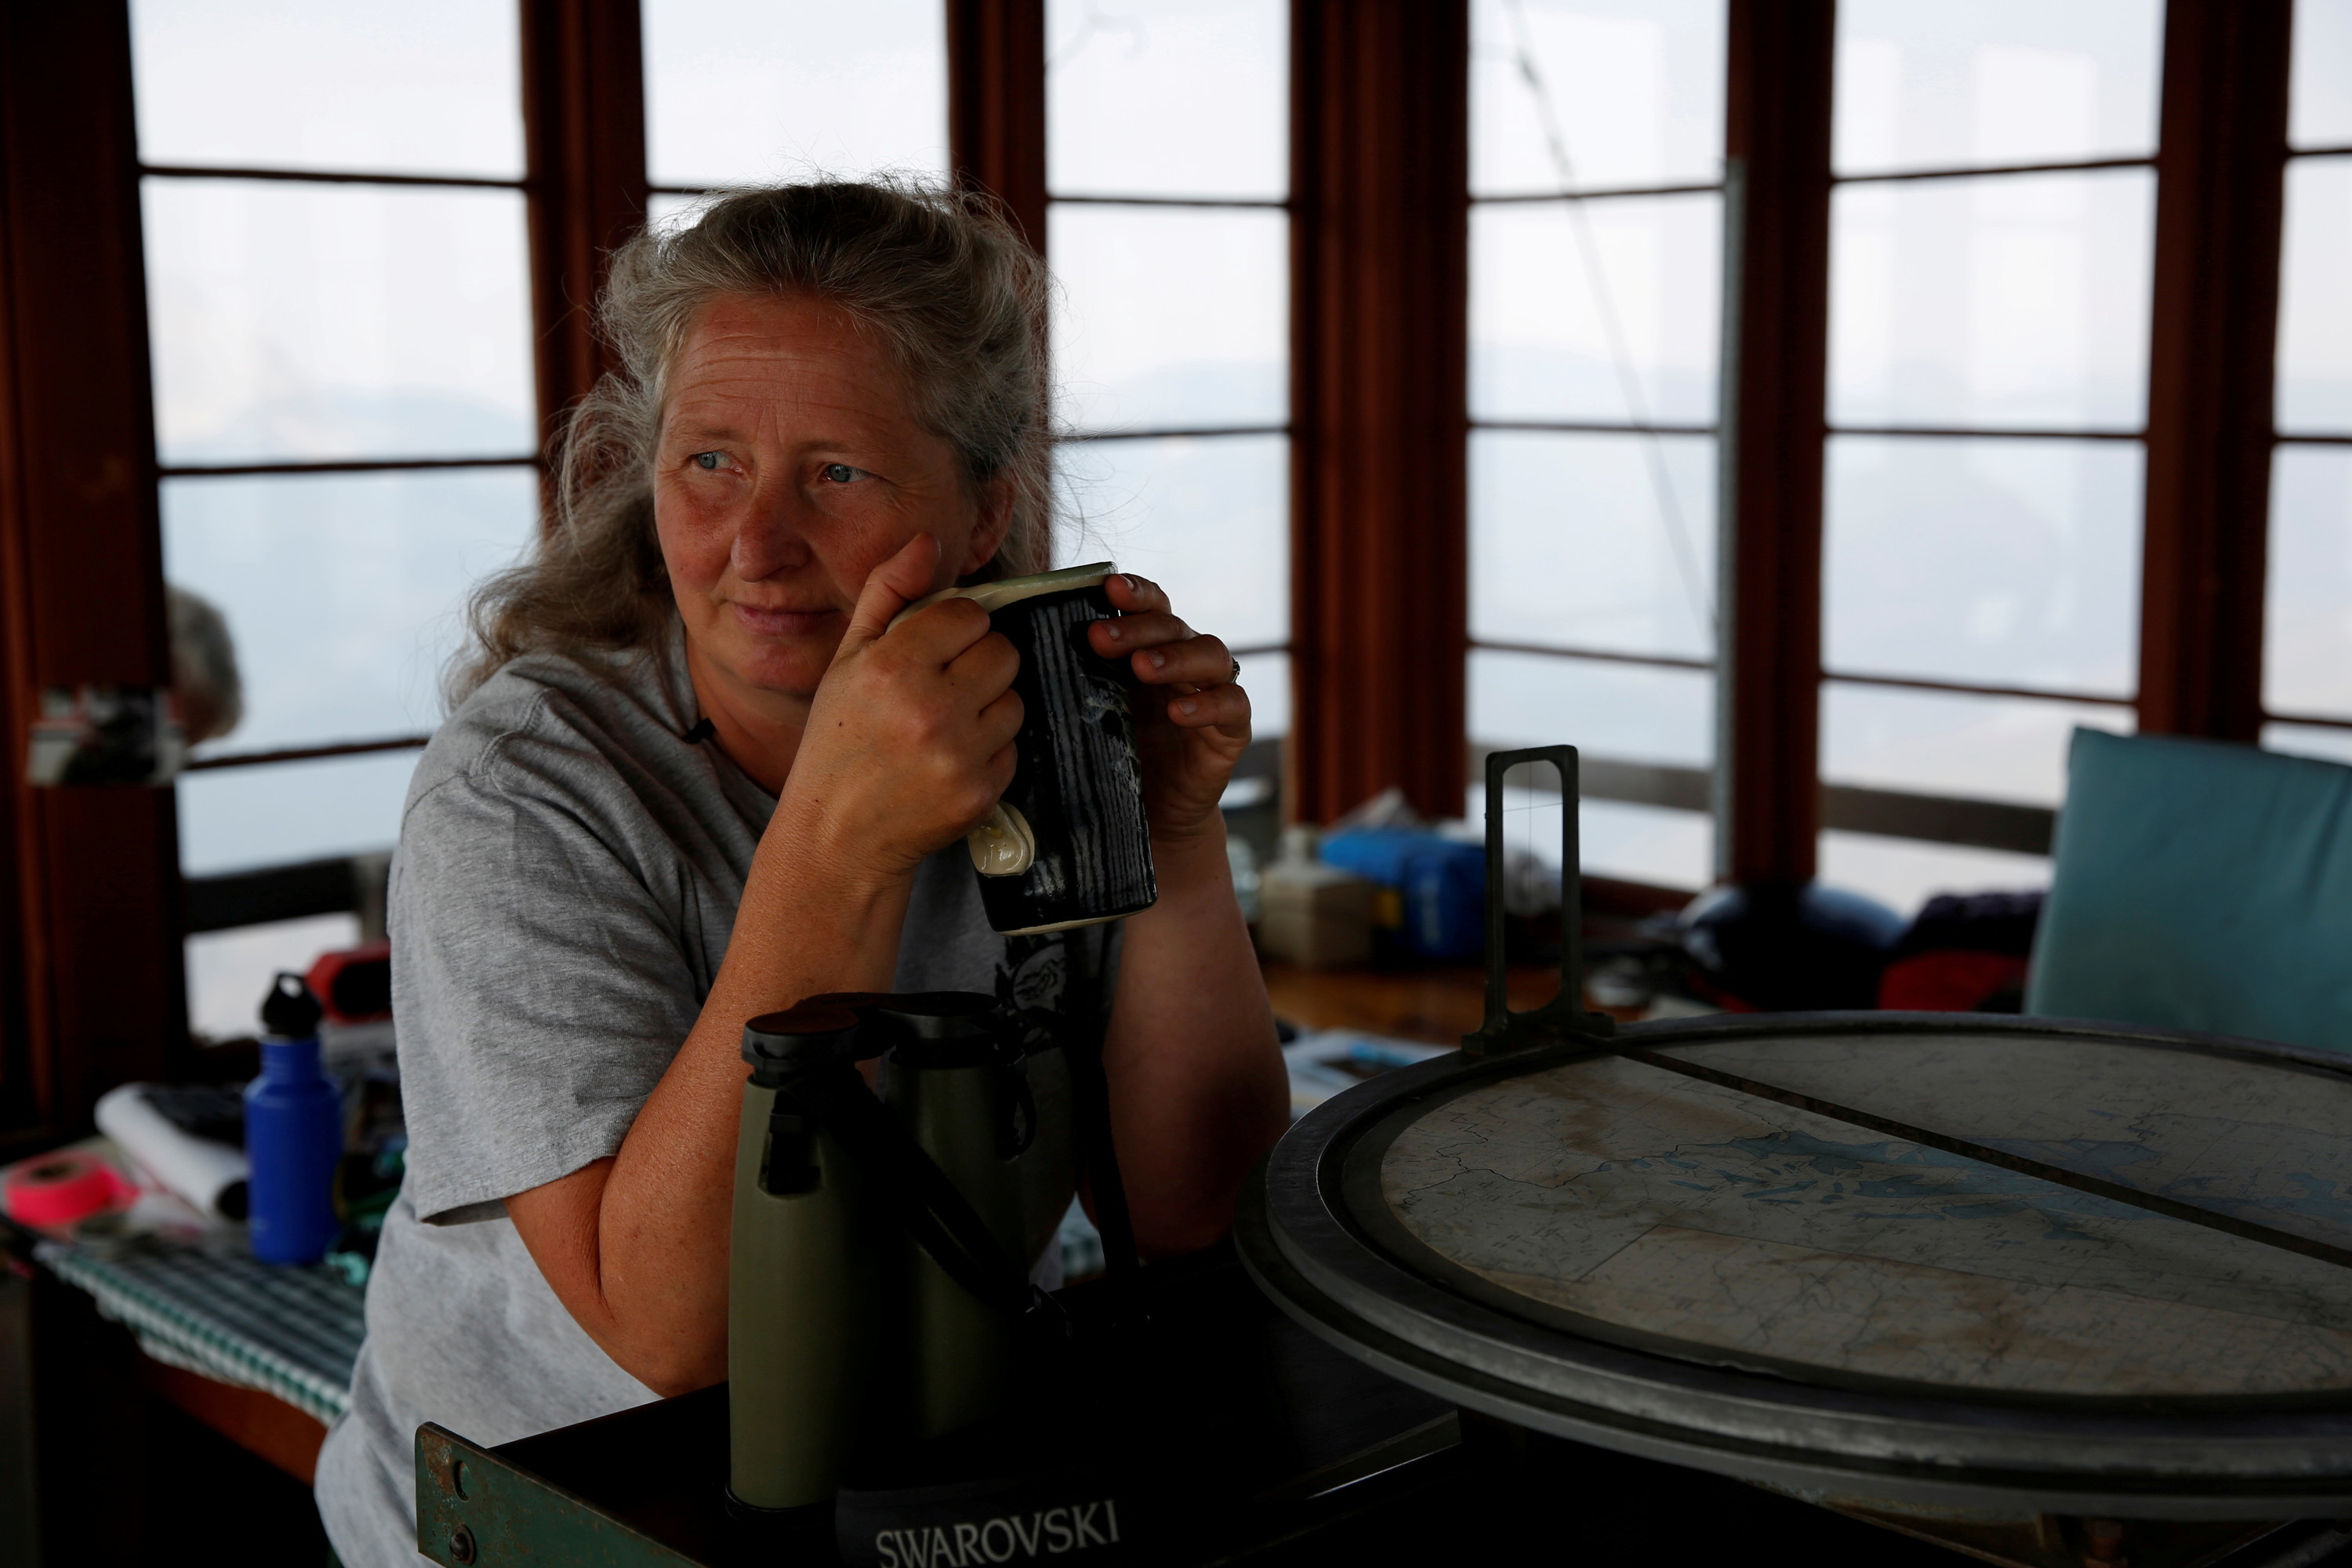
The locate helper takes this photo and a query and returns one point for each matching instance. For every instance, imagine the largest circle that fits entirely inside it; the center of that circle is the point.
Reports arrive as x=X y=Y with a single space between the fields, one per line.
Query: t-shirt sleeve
x=540 y=989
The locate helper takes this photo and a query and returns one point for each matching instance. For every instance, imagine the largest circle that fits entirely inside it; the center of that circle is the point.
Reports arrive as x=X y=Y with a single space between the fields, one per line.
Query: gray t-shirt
x=567 y=877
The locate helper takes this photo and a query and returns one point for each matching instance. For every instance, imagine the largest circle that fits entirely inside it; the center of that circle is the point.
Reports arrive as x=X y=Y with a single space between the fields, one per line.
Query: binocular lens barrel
x=841 y=1329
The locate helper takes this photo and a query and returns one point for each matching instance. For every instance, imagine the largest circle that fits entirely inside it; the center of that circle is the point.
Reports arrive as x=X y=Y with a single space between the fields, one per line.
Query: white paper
x=195 y=1169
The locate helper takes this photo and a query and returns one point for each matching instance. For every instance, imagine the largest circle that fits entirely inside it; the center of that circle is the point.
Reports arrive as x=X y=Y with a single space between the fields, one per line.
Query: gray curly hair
x=937 y=274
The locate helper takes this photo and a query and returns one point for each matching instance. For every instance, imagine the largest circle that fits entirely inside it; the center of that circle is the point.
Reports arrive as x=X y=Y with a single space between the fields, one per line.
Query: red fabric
x=1950 y=981
x=1708 y=991
x=59 y=1189
x=330 y=969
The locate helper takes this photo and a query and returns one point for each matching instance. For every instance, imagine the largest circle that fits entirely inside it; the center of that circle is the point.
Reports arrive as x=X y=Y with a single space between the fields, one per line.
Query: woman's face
x=790 y=464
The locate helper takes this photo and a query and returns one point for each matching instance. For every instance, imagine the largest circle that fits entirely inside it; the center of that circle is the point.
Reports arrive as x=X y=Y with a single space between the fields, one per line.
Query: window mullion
x=2212 y=358
x=1379 y=356
x=996 y=104
x=1775 y=390
x=583 y=96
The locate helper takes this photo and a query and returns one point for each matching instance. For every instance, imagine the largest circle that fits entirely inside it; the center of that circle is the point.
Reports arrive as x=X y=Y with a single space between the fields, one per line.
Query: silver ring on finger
x=1235 y=673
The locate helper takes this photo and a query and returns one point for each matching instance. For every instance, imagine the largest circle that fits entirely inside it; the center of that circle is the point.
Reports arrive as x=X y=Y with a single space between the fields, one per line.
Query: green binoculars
x=879 y=1262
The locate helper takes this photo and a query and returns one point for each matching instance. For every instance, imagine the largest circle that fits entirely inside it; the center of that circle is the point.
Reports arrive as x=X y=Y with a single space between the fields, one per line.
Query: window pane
x=1940 y=743
x=1632 y=87
x=2315 y=352
x=237 y=818
x=1904 y=873
x=2324 y=742
x=1208 y=520
x=2307 y=659
x=1266 y=678
x=331 y=322
x=1168 y=97
x=229 y=972
x=753 y=92
x=1627 y=712
x=1995 y=83
x=2319 y=103
x=1645 y=844
x=429 y=87
x=343 y=592
x=1546 y=343
x=665 y=212
x=1653 y=844
x=1998 y=563
x=1594 y=540
x=2017 y=300
x=1171 y=317
x=1614 y=711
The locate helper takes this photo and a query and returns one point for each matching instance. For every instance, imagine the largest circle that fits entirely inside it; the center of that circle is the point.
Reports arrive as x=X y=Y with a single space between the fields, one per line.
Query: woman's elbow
x=1186 y=1217
x=671 y=1386
x=670 y=1371
x=1173 y=1236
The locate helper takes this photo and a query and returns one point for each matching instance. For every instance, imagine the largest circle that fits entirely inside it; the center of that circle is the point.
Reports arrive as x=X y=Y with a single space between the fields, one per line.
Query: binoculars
x=880 y=1271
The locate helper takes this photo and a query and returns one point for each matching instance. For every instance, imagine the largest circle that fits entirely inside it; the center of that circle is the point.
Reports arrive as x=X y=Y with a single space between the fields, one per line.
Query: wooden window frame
x=92 y=980
x=1379 y=204
x=2282 y=440
x=1674 y=787
x=584 y=188
x=1775 y=392
x=2213 y=363
x=2218 y=166
x=2212 y=343
x=1380 y=355
x=1027 y=100
x=90 y=930
x=90 y=956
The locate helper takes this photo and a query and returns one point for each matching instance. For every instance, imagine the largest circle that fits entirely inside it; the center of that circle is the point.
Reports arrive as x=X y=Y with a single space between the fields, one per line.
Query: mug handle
x=1004 y=844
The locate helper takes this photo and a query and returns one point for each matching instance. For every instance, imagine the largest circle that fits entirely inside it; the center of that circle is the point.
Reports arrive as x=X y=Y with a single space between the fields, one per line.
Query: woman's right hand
x=909 y=737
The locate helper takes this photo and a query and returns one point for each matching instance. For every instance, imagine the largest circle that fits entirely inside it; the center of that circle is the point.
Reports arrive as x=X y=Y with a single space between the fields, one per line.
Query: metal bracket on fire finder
x=1563 y=1017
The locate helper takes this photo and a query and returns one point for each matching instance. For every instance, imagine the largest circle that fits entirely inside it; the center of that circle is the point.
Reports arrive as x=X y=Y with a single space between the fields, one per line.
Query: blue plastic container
x=1440 y=882
x=293 y=1132
x=1445 y=901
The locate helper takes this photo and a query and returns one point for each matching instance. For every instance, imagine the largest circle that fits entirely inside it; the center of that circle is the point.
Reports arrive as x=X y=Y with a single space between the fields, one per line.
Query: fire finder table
x=1324 y=1460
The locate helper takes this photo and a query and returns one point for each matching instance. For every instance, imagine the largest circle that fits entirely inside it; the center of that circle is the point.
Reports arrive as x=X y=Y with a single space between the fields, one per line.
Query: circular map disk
x=1723 y=1227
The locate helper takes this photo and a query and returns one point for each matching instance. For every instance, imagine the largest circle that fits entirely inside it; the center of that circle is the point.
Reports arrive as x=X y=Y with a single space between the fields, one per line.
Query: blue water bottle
x=293 y=1132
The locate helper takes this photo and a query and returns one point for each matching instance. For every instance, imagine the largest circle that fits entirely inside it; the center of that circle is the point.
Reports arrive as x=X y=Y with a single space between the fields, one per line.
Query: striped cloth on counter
x=293 y=1332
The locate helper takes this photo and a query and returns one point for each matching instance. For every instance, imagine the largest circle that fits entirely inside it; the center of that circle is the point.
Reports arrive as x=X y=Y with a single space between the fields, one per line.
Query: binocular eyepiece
x=925 y=1028
x=816 y=1034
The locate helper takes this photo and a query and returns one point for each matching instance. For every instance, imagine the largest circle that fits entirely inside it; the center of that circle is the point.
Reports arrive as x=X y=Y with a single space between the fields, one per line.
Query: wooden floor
x=1440 y=1003
x=1436 y=1005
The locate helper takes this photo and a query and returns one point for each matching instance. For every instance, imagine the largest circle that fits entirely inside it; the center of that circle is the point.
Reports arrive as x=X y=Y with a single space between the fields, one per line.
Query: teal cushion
x=2201 y=886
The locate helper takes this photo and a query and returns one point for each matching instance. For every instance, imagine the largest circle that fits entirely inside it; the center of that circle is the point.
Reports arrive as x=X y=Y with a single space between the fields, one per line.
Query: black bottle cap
x=289 y=1012
x=817 y=1032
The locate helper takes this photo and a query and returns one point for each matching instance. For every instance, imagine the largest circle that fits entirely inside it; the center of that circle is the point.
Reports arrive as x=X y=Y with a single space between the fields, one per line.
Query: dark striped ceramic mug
x=1067 y=845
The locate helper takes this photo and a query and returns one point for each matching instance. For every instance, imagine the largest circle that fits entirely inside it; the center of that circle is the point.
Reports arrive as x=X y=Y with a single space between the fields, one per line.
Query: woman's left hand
x=1192 y=722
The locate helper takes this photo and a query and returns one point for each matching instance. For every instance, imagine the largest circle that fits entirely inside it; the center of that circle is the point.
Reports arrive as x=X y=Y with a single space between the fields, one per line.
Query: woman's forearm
x=637 y=1245
x=1197 y=1087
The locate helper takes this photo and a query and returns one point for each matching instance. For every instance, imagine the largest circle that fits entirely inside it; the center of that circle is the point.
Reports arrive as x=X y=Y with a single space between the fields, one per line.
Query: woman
x=689 y=780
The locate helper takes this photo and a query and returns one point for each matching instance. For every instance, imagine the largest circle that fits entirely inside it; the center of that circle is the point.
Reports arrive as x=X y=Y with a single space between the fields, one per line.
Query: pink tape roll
x=64 y=1188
